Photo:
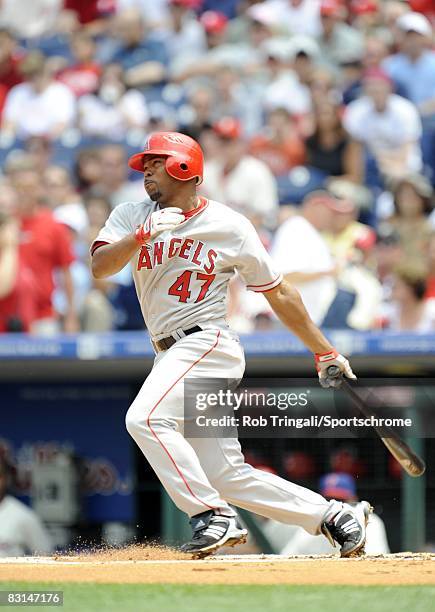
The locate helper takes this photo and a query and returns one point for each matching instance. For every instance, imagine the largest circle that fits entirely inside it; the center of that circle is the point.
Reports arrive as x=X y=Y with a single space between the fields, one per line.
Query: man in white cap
x=413 y=68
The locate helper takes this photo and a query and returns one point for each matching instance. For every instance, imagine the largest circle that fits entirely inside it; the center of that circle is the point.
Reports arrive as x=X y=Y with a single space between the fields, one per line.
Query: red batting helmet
x=184 y=157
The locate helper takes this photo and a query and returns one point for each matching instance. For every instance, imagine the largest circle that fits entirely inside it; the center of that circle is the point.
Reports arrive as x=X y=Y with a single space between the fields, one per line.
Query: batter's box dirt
x=153 y=565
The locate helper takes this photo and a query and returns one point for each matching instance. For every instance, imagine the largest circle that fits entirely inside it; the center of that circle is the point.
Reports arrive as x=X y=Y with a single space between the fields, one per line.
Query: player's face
x=156 y=180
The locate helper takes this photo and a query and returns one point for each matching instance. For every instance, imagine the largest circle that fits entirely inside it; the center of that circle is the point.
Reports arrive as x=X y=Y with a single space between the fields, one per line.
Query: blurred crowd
x=317 y=119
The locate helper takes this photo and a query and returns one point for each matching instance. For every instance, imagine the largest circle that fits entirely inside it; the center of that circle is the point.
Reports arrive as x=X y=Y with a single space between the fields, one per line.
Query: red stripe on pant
x=157 y=437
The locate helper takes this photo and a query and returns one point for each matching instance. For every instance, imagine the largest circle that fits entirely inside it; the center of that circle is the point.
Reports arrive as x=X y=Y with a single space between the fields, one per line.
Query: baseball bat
x=410 y=461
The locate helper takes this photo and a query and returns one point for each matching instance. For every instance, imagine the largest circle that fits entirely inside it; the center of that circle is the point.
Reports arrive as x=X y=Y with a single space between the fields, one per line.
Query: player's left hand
x=333 y=358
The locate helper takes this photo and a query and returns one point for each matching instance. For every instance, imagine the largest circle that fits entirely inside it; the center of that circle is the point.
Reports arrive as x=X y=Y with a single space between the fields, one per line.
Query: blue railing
x=130 y=345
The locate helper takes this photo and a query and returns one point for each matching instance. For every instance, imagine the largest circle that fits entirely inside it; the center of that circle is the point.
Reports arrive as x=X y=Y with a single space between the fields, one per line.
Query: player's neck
x=186 y=203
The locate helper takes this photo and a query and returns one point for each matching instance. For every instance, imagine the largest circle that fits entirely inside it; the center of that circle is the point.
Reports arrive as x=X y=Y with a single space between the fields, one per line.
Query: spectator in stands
x=92 y=14
x=83 y=74
x=45 y=246
x=215 y=26
x=375 y=51
x=323 y=86
x=346 y=233
x=430 y=287
x=81 y=280
x=210 y=142
x=87 y=170
x=279 y=145
x=8 y=198
x=352 y=71
x=283 y=79
x=17 y=284
x=239 y=27
x=365 y=15
x=113 y=182
x=342 y=487
x=112 y=111
x=373 y=120
x=411 y=312
x=21 y=530
x=40 y=106
x=40 y=149
x=243 y=55
x=296 y=16
x=98 y=314
x=64 y=201
x=9 y=64
x=351 y=244
x=215 y=53
x=230 y=92
x=243 y=182
x=412 y=203
x=337 y=40
x=423 y=6
x=142 y=56
x=98 y=208
x=305 y=54
x=197 y=114
x=185 y=36
x=413 y=68
x=391 y=11
x=156 y=13
x=329 y=148
x=303 y=256
x=388 y=254
x=29 y=20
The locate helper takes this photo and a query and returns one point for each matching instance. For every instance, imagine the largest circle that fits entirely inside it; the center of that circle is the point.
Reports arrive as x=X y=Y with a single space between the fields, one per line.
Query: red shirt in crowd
x=9 y=77
x=45 y=245
x=90 y=10
x=81 y=79
x=430 y=287
x=427 y=7
x=18 y=308
x=279 y=157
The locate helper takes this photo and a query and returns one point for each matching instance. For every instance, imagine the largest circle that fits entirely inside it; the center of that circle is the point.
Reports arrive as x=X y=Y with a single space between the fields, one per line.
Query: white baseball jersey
x=181 y=279
x=182 y=275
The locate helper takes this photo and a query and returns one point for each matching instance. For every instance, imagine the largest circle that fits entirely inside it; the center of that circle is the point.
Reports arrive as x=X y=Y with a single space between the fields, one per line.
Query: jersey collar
x=203 y=203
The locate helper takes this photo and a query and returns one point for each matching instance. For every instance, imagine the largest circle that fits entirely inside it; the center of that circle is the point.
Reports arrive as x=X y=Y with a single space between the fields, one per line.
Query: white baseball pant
x=210 y=473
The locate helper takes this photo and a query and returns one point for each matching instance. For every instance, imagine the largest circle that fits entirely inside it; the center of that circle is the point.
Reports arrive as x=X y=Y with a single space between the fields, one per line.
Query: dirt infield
x=150 y=565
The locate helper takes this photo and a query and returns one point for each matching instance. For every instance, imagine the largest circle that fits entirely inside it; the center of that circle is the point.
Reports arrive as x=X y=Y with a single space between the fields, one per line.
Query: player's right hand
x=324 y=360
x=158 y=222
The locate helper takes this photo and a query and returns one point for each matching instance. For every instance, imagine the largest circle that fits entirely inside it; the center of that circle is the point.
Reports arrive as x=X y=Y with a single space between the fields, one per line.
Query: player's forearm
x=111 y=258
x=287 y=304
x=306 y=277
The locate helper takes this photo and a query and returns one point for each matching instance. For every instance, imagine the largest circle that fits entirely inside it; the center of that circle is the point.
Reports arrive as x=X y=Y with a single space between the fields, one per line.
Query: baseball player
x=184 y=249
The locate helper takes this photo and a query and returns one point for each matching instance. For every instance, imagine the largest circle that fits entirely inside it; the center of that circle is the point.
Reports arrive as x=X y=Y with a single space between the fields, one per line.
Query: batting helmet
x=184 y=157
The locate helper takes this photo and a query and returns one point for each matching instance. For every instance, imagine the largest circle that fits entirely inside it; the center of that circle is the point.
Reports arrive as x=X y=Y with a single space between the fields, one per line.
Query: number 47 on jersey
x=181 y=288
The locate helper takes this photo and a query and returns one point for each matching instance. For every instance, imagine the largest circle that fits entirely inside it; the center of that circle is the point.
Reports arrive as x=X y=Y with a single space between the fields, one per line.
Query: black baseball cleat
x=212 y=531
x=348 y=528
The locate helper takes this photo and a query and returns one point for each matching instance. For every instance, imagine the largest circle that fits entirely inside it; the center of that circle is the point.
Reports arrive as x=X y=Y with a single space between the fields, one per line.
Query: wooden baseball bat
x=410 y=461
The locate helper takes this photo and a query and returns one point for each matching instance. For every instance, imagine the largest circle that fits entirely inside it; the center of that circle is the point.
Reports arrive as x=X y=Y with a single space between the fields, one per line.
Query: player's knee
x=134 y=423
x=141 y=426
